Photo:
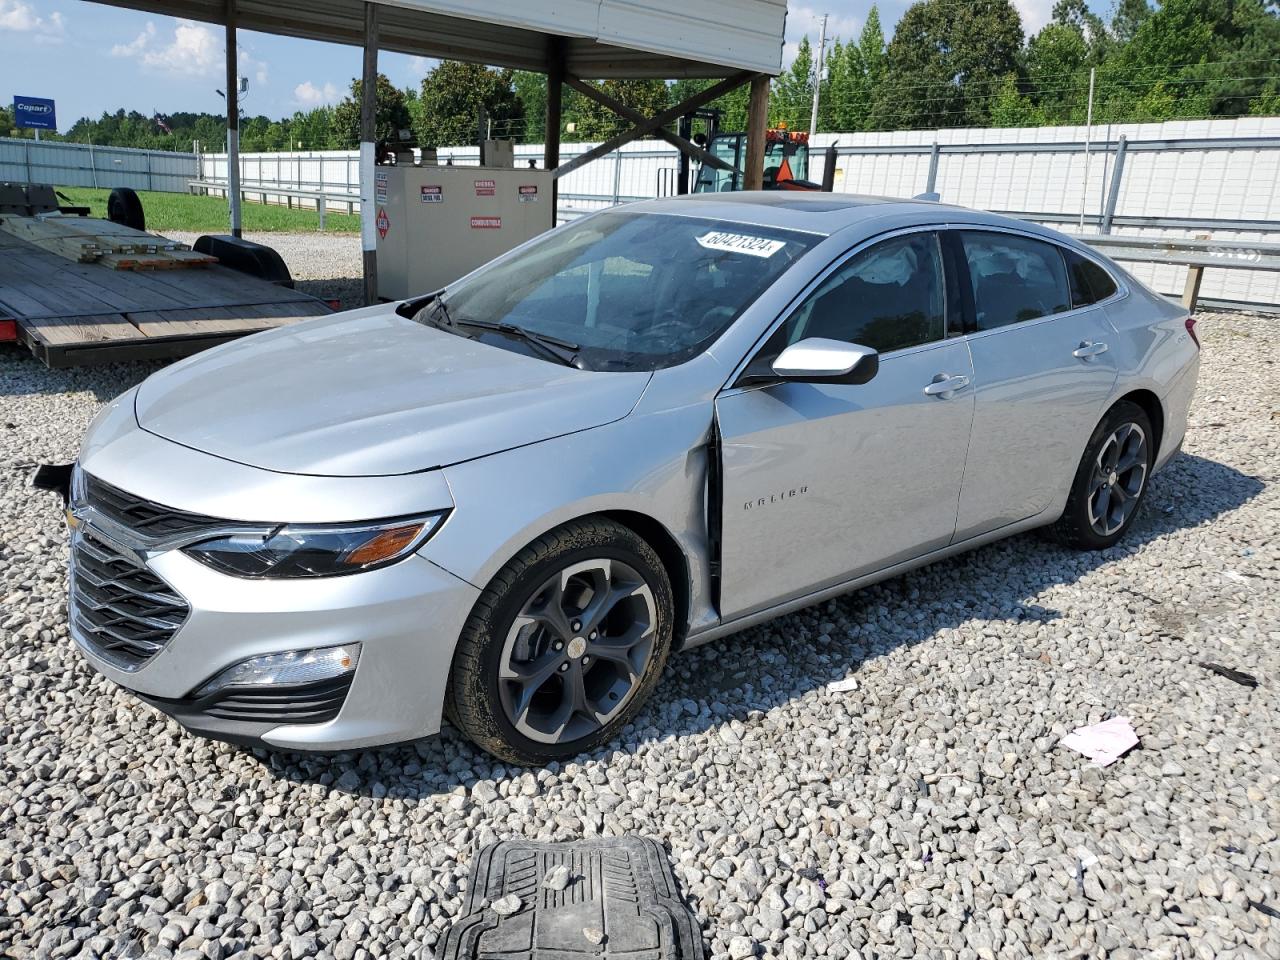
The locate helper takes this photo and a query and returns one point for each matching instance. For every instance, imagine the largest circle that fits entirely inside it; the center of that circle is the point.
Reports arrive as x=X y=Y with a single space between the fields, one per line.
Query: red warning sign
x=486 y=223
x=486 y=188
x=383 y=223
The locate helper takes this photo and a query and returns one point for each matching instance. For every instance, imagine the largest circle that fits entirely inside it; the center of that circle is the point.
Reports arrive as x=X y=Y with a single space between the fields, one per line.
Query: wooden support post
x=368 y=134
x=233 y=121
x=757 y=125
x=555 y=100
x=1191 y=292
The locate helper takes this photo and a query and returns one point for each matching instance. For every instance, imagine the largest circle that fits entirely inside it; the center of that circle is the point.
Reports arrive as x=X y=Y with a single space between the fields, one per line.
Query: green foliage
x=945 y=63
x=791 y=99
x=1012 y=108
x=391 y=114
x=453 y=95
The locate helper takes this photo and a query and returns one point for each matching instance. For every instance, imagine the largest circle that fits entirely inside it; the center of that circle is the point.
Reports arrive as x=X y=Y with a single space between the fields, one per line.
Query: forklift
x=786 y=158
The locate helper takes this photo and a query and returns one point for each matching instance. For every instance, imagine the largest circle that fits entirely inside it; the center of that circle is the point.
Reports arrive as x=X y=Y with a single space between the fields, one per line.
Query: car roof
x=822 y=213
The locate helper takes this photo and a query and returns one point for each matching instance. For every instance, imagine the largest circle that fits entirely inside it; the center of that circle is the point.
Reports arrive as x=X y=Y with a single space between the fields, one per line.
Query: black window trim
x=821 y=277
x=970 y=305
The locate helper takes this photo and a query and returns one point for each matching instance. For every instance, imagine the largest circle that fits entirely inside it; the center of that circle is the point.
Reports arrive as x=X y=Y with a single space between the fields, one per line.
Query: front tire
x=1111 y=481
x=564 y=645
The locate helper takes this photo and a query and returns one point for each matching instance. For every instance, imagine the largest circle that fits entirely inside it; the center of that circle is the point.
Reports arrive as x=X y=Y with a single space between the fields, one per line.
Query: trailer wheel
x=124 y=207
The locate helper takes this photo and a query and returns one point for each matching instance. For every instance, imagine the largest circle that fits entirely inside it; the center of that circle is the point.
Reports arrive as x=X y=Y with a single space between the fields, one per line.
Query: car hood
x=372 y=393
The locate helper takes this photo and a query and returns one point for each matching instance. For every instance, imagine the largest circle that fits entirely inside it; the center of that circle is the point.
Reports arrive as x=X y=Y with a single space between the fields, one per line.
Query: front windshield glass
x=625 y=291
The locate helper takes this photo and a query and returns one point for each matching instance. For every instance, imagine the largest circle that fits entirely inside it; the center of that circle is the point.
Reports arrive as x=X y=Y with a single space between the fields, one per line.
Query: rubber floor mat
x=620 y=901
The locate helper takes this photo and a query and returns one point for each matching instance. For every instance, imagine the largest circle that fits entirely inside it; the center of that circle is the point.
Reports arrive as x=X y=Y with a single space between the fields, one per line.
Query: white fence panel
x=84 y=165
x=1038 y=173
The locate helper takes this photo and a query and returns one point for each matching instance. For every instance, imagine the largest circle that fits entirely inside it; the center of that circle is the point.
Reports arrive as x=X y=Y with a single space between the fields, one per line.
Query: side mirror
x=819 y=360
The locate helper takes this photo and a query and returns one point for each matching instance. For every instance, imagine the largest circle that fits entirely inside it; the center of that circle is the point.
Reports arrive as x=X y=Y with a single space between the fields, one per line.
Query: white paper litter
x=844 y=686
x=1104 y=743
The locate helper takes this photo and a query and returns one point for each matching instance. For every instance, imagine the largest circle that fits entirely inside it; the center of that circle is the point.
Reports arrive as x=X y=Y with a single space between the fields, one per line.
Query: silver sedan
x=509 y=501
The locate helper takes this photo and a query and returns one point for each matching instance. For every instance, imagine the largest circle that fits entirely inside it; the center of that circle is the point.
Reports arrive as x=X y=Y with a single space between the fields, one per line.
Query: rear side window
x=1014 y=278
x=887 y=297
x=1089 y=282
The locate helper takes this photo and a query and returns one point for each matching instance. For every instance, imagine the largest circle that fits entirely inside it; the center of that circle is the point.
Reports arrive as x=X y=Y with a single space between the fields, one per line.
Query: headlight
x=315 y=551
x=287 y=669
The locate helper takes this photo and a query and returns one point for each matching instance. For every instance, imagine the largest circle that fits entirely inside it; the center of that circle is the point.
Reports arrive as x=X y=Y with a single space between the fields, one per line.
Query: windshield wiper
x=562 y=351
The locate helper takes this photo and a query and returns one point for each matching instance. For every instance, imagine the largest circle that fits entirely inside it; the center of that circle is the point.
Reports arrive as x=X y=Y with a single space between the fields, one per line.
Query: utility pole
x=817 y=77
x=1088 y=136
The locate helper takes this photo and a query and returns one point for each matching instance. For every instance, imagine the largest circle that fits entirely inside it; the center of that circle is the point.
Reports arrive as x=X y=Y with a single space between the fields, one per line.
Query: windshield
x=624 y=291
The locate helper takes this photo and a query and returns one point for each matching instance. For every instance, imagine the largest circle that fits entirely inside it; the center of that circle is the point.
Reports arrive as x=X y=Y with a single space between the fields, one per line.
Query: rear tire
x=564 y=645
x=1111 y=481
x=124 y=207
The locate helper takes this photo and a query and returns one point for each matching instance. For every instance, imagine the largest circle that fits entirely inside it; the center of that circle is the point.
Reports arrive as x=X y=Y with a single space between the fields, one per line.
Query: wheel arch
x=1154 y=409
x=673 y=558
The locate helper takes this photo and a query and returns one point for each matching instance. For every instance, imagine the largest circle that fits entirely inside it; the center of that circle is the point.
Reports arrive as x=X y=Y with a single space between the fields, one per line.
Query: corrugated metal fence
x=1218 y=179
x=84 y=165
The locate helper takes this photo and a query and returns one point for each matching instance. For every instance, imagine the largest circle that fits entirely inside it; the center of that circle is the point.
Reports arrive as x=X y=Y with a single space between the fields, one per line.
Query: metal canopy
x=602 y=38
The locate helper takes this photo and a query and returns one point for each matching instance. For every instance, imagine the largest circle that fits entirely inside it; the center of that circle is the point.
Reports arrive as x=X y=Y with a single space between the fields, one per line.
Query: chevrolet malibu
x=507 y=502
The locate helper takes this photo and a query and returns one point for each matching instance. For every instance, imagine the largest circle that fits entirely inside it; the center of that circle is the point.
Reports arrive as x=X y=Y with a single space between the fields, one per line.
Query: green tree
x=531 y=91
x=946 y=64
x=1012 y=108
x=1129 y=15
x=791 y=96
x=452 y=97
x=391 y=114
x=856 y=70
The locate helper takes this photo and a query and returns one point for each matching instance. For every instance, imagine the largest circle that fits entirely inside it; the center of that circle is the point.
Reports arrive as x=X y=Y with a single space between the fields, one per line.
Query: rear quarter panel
x=1155 y=352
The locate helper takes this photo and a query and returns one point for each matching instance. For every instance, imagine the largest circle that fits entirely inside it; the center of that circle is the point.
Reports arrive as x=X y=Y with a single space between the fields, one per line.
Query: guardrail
x=1195 y=255
x=321 y=198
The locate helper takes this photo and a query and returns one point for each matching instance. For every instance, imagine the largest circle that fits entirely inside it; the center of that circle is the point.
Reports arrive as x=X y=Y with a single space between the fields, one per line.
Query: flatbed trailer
x=71 y=313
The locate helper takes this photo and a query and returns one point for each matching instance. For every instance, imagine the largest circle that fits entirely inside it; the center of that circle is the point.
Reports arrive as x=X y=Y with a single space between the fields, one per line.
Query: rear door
x=825 y=482
x=1043 y=374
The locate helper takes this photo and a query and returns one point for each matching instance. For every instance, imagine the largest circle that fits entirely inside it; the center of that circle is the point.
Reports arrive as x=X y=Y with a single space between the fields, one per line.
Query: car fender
x=651 y=464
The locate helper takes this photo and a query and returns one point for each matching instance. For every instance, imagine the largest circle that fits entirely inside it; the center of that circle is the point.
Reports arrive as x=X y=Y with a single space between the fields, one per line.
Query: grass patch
x=183 y=211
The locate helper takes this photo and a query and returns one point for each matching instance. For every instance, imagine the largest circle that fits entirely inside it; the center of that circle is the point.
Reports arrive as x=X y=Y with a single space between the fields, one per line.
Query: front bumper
x=406 y=618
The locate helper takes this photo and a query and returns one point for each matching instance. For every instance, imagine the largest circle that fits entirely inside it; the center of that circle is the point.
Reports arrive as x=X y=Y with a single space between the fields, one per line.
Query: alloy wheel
x=1118 y=476
x=577 y=650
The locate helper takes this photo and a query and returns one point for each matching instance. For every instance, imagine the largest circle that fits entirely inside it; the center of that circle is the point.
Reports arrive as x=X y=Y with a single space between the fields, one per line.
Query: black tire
x=124 y=207
x=474 y=702
x=1078 y=525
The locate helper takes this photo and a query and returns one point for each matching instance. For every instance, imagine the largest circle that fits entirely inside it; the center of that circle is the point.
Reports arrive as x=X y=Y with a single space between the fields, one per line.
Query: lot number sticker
x=486 y=188
x=433 y=193
x=486 y=223
x=741 y=243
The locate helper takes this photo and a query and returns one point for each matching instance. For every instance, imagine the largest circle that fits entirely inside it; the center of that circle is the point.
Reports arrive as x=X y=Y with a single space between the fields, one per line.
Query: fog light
x=292 y=668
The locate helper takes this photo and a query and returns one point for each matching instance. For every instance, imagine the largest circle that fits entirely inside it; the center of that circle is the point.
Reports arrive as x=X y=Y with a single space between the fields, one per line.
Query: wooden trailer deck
x=72 y=313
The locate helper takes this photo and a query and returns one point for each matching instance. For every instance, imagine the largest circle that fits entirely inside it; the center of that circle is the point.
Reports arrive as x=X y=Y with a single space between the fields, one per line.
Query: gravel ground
x=927 y=812
x=322 y=264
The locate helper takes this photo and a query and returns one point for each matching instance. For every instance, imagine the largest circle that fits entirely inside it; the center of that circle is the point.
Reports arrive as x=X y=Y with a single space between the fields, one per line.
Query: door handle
x=1088 y=349
x=945 y=384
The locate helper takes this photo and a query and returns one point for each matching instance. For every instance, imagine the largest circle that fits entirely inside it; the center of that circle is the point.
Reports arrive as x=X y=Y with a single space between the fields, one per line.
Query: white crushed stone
x=929 y=812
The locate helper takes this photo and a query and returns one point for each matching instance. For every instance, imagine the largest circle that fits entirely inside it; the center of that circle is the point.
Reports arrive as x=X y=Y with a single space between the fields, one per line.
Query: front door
x=825 y=482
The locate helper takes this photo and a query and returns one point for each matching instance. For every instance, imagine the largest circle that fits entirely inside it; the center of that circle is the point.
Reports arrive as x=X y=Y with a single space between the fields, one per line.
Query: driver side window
x=887 y=297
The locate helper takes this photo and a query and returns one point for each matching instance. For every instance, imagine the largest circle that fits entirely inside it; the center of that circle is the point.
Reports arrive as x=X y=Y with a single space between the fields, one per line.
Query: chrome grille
x=149 y=520
x=120 y=608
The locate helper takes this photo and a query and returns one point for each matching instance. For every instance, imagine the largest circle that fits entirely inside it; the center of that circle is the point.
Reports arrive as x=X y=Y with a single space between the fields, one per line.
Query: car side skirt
x=715 y=632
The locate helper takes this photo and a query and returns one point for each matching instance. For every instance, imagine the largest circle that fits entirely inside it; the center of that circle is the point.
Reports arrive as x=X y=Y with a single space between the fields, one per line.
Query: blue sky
x=90 y=57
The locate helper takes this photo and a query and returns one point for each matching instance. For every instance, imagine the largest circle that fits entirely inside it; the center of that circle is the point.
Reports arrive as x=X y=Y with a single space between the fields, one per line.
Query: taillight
x=1191 y=329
